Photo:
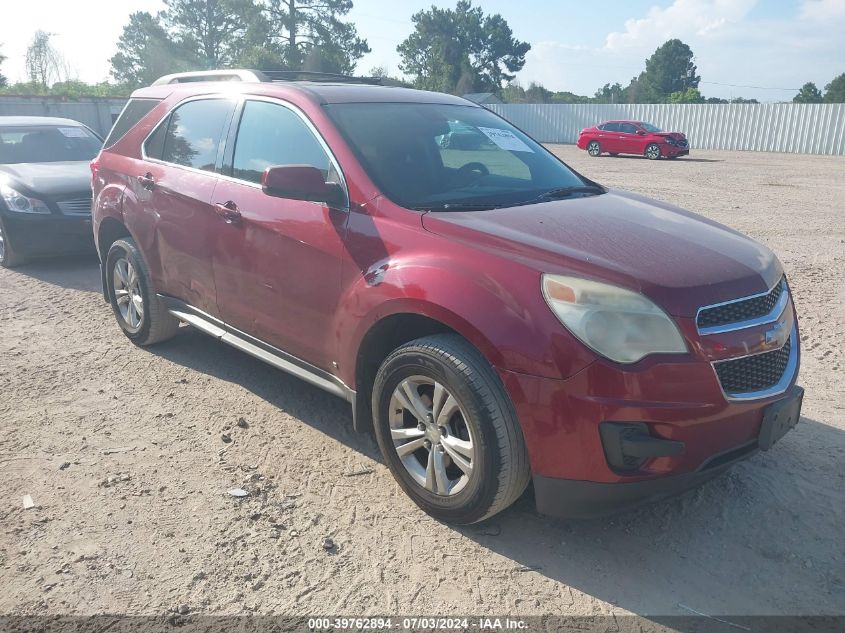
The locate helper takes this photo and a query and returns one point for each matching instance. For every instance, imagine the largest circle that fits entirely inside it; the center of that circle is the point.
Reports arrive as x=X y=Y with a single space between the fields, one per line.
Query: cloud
x=732 y=43
x=823 y=10
x=683 y=18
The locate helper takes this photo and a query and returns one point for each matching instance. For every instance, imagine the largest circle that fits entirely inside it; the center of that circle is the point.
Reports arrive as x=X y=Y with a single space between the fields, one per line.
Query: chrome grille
x=75 y=206
x=741 y=310
x=755 y=376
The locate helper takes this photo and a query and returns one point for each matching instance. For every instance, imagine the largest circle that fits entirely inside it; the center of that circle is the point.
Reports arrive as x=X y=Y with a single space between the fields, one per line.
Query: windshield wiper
x=563 y=192
x=457 y=206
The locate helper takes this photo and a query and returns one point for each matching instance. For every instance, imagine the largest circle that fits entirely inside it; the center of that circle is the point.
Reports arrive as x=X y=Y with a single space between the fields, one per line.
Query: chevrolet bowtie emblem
x=777 y=335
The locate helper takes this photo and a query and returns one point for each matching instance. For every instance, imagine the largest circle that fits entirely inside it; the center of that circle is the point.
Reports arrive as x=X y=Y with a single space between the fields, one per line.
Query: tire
x=594 y=148
x=9 y=256
x=481 y=430
x=652 y=151
x=154 y=323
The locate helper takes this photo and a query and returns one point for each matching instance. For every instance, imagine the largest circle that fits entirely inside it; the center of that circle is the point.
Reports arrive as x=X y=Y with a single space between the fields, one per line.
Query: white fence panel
x=764 y=127
x=98 y=114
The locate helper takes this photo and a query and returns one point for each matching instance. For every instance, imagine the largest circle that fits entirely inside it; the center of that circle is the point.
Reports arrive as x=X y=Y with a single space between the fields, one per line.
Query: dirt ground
x=121 y=450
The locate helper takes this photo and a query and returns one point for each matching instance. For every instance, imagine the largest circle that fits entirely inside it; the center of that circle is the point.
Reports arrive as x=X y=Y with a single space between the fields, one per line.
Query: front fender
x=501 y=313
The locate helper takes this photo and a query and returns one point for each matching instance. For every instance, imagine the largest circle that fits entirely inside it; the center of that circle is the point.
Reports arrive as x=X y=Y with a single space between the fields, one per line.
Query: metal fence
x=96 y=113
x=765 y=127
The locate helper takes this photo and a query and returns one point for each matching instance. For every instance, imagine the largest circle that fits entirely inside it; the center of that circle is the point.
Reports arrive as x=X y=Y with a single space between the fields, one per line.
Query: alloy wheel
x=431 y=435
x=593 y=149
x=127 y=294
x=652 y=152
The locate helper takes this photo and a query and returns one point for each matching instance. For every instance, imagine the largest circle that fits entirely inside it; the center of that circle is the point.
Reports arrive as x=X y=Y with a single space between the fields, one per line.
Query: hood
x=680 y=260
x=673 y=135
x=49 y=180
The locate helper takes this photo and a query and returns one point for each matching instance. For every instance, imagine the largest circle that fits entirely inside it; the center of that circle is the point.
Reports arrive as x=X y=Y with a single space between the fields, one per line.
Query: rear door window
x=270 y=135
x=135 y=110
x=195 y=133
x=611 y=127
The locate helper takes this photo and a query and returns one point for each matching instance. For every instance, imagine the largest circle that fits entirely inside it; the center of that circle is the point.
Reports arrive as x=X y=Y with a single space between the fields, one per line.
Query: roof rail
x=311 y=75
x=238 y=74
x=212 y=75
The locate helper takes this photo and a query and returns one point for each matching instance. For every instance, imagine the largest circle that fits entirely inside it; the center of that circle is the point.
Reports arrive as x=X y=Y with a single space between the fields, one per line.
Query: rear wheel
x=9 y=257
x=448 y=431
x=593 y=148
x=652 y=152
x=140 y=313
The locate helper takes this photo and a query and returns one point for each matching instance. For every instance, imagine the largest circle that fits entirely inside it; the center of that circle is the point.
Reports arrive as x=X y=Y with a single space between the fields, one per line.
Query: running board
x=257 y=348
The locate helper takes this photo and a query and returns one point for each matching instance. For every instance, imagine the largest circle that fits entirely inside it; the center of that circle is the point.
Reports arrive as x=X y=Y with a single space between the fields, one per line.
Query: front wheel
x=652 y=152
x=140 y=313
x=9 y=256
x=447 y=430
x=593 y=148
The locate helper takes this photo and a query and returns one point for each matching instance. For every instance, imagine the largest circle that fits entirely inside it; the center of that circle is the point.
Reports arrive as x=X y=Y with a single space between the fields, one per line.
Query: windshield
x=648 y=127
x=47 y=144
x=424 y=155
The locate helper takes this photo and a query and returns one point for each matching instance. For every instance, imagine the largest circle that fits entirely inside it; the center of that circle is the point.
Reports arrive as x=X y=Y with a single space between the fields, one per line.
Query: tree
x=670 y=69
x=610 y=93
x=834 y=92
x=513 y=92
x=461 y=45
x=313 y=31
x=3 y=81
x=808 y=94
x=146 y=52
x=536 y=93
x=690 y=95
x=44 y=64
x=218 y=31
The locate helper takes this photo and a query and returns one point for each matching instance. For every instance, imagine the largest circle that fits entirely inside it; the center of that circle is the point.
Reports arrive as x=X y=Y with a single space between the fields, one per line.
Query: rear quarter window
x=135 y=110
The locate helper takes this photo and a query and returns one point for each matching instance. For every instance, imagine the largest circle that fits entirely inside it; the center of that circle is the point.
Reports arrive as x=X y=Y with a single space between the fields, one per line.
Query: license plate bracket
x=779 y=418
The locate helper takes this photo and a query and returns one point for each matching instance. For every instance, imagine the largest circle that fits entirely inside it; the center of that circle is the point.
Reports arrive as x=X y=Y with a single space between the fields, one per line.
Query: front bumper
x=588 y=499
x=674 y=150
x=48 y=234
x=677 y=398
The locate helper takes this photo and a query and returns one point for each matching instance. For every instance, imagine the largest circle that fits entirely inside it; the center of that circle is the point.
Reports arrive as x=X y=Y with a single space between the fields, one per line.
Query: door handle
x=147 y=181
x=228 y=211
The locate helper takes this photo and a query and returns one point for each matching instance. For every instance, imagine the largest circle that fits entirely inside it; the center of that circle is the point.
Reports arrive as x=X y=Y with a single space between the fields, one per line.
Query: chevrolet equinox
x=493 y=316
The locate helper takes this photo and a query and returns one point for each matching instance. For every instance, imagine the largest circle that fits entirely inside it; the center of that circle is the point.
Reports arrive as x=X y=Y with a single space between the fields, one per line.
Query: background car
x=632 y=137
x=45 y=187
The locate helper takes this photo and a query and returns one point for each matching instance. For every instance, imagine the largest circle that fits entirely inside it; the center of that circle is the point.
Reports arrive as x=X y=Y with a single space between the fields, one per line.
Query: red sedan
x=632 y=137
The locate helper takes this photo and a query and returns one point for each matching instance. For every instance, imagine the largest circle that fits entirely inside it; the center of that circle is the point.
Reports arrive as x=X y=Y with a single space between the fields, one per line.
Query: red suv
x=632 y=137
x=494 y=316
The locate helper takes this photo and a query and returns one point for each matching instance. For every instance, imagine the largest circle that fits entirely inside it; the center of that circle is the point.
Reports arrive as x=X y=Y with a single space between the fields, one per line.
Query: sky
x=763 y=49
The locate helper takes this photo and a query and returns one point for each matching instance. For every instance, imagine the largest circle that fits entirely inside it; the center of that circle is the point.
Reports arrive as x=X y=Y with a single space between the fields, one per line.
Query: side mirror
x=301 y=182
x=641 y=132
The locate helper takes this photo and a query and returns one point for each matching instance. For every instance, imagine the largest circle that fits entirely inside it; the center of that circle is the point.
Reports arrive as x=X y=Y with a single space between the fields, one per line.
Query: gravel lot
x=121 y=450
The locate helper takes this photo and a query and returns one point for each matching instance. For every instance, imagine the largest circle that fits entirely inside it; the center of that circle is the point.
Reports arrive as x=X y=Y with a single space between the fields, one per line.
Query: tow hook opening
x=628 y=445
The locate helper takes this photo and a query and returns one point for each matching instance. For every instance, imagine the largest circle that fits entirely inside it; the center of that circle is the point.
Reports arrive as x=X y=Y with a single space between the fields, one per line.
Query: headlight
x=619 y=324
x=16 y=201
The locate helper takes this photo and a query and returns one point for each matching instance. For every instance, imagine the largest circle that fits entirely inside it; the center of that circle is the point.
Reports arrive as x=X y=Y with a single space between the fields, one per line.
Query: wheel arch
x=395 y=329
x=109 y=231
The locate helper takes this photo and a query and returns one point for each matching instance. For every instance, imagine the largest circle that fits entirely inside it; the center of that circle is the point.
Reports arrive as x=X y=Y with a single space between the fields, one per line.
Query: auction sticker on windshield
x=73 y=132
x=505 y=139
